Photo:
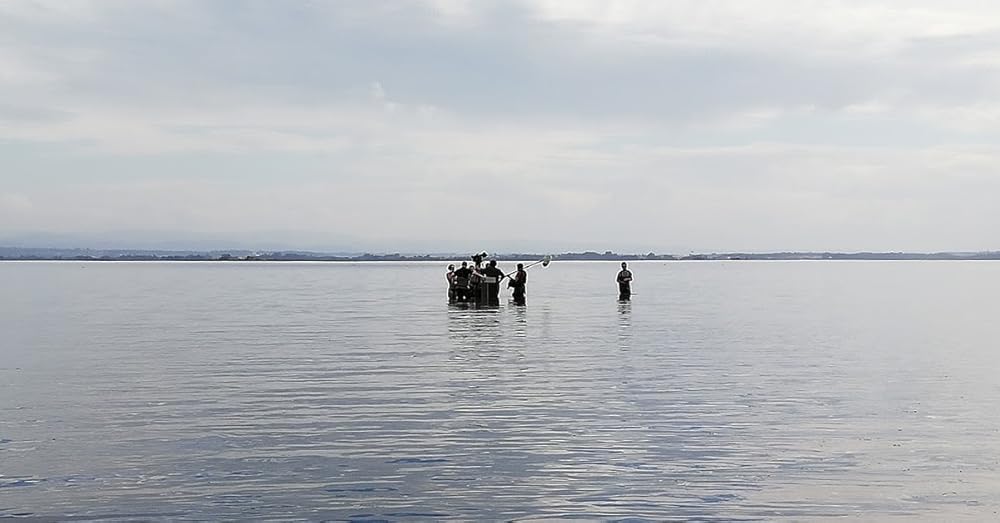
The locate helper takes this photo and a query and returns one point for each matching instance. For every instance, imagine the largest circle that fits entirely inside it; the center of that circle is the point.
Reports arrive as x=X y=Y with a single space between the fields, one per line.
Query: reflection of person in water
x=624 y=283
x=518 y=282
x=491 y=279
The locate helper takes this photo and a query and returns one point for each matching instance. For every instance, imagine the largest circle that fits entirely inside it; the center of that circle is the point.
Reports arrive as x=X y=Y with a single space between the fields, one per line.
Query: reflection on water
x=721 y=392
x=624 y=325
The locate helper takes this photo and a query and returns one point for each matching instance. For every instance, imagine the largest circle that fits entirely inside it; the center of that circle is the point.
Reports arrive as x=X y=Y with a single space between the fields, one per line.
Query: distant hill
x=34 y=253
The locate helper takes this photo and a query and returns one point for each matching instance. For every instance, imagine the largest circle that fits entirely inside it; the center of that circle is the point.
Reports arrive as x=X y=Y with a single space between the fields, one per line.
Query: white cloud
x=851 y=26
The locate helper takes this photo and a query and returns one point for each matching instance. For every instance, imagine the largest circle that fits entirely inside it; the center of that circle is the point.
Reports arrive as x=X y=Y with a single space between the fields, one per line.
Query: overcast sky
x=666 y=126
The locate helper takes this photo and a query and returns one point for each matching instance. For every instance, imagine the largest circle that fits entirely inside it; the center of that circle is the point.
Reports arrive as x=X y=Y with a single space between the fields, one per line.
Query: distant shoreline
x=30 y=254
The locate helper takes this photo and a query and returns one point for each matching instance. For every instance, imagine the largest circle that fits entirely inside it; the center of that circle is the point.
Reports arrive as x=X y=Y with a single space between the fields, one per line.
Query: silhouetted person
x=492 y=276
x=462 y=277
x=624 y=283
x=451 y=283
x=518 y=283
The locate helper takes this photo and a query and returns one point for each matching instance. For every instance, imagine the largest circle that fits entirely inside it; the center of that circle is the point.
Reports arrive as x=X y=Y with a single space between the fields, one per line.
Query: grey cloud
x=22 y=114
x=508 y=65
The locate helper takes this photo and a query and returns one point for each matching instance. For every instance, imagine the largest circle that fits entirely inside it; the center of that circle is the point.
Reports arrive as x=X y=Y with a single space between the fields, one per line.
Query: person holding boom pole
x=519 y=278
x=518 y=282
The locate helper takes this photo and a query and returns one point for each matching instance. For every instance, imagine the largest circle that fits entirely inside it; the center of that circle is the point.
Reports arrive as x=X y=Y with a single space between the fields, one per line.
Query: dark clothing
x=493 y=276
x=493 y=272
x=461 y=284
x=624 y=284
x=519 y=282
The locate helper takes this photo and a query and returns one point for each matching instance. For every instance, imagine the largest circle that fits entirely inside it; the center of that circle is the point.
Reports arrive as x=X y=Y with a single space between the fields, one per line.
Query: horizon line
x=430 y=253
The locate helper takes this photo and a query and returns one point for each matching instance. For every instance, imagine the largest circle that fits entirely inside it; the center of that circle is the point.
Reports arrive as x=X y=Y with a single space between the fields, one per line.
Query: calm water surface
x=724 y=391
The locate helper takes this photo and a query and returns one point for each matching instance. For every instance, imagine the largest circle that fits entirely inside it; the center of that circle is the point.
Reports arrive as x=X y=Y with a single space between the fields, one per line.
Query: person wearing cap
x=624 y=283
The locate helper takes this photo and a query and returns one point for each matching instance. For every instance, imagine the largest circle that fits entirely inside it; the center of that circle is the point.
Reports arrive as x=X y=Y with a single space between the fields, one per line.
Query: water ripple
x=723 y=392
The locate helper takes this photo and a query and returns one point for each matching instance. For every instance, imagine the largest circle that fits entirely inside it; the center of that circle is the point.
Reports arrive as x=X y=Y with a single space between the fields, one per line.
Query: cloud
x=721 y=124
x=674 y=64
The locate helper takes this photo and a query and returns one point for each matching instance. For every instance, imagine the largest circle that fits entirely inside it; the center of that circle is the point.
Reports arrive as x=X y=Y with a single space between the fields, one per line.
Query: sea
x=723 y=391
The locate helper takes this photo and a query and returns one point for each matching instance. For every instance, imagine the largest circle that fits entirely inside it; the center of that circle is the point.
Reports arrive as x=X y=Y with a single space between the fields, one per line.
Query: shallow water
x=722 y=391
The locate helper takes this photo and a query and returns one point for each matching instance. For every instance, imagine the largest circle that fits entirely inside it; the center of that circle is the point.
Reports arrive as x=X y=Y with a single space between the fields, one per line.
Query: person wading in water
x=624 y=283
x=492 y=276
x=450 y=276
x=461 y=278
x=518 y=282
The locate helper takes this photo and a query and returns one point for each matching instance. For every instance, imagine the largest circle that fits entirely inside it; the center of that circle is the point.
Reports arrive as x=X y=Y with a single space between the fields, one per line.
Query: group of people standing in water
x=480 y=284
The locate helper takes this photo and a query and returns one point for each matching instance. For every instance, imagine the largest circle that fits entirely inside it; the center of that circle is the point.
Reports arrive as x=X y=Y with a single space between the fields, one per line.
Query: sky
x=516 y=126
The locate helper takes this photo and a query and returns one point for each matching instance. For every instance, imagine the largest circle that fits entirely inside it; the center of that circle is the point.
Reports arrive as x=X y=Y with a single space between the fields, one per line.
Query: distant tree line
x=236 y=256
